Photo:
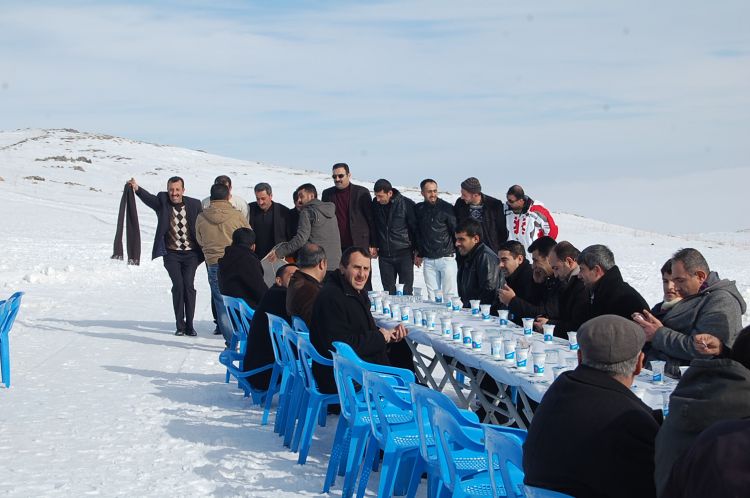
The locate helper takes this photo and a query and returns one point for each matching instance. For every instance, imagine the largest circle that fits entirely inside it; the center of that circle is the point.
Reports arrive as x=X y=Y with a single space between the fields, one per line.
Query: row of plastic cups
x=507 y=349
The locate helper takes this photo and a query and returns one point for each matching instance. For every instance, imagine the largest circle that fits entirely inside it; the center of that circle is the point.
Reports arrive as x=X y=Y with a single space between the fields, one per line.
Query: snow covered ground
x=105 y=400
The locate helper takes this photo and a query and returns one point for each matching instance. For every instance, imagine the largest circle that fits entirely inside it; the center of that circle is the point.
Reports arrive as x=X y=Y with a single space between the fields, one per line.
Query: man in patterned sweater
x=175 y=241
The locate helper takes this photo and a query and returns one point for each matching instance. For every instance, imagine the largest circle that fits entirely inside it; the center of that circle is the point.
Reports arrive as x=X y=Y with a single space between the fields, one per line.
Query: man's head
x=244 y=237
x=563 y=258
x=306 y=193
x=594 y=261
x=516 y=198
x=471 y=191
x=297 y=202
x=175 y=189
x=540 y=250
x=341 y=176
x=383 y=191
x=355 y=266
x=468 y=236
x=284 y=274
x=311 y=259
x=429 y=189
x=224 y=180
x=689 y=271
x=612 y=344
x=219 y=192
x=667 y=283
x=264 y=196
x=511 y=255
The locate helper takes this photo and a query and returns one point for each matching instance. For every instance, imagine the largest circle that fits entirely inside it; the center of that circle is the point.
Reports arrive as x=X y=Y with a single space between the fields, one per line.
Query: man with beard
x=270 y=221
x=353 y=211
x=485 y=210
x=478 y=274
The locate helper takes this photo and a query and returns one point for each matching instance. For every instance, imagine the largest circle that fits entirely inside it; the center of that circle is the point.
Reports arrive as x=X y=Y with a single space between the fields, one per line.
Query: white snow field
x=105 y=400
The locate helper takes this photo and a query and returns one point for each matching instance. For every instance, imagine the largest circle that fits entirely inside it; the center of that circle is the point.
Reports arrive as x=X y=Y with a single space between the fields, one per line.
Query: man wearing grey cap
x=591 y=435
x=485 y=209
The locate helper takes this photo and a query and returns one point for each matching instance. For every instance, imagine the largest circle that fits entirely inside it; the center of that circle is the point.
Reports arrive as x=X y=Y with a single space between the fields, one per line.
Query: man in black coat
x=395 y=226
x=573 y=298
x=270 y=221
x=342 y=313
x=175 y=241
x=608 y=292
x=487 y=210
x=478 y=274
x=240 y=272
x=353 y=210
x=591 y=436
x=259 y=348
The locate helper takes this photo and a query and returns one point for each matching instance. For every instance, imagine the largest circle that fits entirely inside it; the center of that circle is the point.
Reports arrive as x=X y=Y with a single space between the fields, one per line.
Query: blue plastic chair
x=315 y=403
x=241 y=316
x=8 y=312
x=277 y=327
x=299 y=324
x=295 y=388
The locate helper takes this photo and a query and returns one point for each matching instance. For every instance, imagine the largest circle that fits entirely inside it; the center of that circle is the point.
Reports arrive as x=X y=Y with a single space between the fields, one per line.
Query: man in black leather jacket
x=478 y=275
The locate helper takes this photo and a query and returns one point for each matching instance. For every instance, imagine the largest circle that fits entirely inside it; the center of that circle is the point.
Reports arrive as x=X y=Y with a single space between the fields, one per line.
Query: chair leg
x=367 y=465
x=308 y=429
x=416 y=477
x=272 y=389
x=353 y=461
x=340 y=442
x=5 y=362
x=301 y=419
x=388 y=473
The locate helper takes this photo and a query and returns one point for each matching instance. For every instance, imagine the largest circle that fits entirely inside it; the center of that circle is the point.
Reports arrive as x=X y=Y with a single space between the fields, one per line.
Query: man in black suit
x=175 y=241
x=353 y=208
x=270 y=222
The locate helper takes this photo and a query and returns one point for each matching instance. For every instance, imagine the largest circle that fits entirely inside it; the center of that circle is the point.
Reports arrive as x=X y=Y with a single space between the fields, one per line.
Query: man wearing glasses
x=353 y=208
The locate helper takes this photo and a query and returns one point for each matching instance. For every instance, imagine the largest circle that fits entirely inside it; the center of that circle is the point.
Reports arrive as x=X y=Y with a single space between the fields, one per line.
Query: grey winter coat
x=317 y=224
x=716 y=310
x=710 y=391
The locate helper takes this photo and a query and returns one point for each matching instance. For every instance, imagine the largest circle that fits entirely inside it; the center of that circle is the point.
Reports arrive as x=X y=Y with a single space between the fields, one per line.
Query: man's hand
x=506 y=294
x=417 y=261
x=707 y=344
x=387 y=334
x=648 y=322
x=539 y=323
x=373 y=252
x=133 y=184
x=399 y=332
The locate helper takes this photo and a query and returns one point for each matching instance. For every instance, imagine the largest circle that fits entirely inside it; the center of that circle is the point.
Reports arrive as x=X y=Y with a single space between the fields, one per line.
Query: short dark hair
x=347 y=255
x=341 y=165
x=425 y=182
x=263 y=187
x=666 y=268
x=514 y=247
x=565 y=249
x=224 y=180
x=741 y=348
x=309 y=188
x=597 y=255
x=692 y=260
x=516 y=191
x=281 y=269
x=470 y=227
x=243 y=237
x=382 y=185
x=176 y=179
x=219 y=192
x=310 y=255
x=543 y=245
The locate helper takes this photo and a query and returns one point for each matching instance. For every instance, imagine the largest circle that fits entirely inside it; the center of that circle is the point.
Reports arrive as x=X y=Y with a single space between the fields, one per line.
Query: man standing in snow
x=270 y=221
x=484 y=209
x=353 y=212
x=176 y=242
x=525 y=219
x=213 y=229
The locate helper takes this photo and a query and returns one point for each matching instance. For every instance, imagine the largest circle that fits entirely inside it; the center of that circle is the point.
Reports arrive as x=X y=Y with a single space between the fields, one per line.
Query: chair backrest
x=277 y=327
x=241 y=315
x=8 y=312
x=348 y=375
x=504 y=453
x=299 y=324
x=404 y=377
x=382 y=402
x=451 y=437
x=307 y=356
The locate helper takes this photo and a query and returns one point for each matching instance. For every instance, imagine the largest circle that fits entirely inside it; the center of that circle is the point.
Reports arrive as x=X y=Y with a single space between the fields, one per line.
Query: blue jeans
x=222 y=318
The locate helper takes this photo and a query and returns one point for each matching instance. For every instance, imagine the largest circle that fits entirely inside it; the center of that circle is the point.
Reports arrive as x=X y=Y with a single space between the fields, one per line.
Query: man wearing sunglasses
x=353 y=208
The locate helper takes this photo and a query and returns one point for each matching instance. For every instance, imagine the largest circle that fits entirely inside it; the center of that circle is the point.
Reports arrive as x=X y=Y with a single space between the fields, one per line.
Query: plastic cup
x=458 y=334
x=417 y=317
x=406 y=314
x=496 y=348
x=446 y=327
x=448 y=301
x=386 y=307
x=664 y=401
x=439 y=296
x=509 y=349
x=657 y=372
x=548 y=332
x=477 y=338
x=466 y=335
x=522 y=358
x=573 y=341
x=457 y=303
x=503 y=316
x=474 y=306
x=396 y=311
x=485 y=310
x=528 y=326
x=417 y=293
x=399 y=289
x=539 y=360
x=431 y=318
x=378 y=305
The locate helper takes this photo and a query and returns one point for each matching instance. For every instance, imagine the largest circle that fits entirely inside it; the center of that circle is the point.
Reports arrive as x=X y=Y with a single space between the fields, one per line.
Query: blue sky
x=632 y=112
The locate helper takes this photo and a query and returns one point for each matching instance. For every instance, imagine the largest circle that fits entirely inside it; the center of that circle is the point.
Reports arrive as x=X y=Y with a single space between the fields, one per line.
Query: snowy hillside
x=105 y=400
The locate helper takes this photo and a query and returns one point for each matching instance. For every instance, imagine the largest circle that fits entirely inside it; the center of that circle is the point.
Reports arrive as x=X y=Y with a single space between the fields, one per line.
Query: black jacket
x=494 y=229
x=241 y=275
x=301 y=295
x=522 y=283
x=163 y=207
x=436 y=229
x=612 y=296
x=281 y=223
x=259 y=348
x=360 y=214
x=478 y=275
x=544 y=303
x=592 y=437
x=573 y=306
x=395 y=225
x=343 y=314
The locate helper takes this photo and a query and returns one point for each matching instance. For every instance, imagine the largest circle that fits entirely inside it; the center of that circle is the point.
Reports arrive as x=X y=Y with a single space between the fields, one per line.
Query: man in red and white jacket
x=527 y=220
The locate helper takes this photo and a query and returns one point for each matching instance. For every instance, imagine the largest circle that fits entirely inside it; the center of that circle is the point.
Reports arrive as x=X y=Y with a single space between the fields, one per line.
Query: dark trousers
x=392 y=266
x=181 y=266
x=400 y=355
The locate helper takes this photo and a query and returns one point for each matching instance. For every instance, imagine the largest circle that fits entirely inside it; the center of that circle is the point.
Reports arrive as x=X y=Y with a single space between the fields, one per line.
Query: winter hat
x=472 y=185
x=610 y=339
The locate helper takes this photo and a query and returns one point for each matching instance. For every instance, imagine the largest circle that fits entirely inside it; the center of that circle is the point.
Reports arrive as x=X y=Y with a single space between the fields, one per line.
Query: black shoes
x=179 y=332
x=191 y=333
x=217 y=331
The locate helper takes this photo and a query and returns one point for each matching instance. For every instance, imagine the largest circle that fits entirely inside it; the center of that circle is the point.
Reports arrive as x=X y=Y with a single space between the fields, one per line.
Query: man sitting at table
x=516 y=274
x=478 y=275
x=591 y=435
x=342 y=313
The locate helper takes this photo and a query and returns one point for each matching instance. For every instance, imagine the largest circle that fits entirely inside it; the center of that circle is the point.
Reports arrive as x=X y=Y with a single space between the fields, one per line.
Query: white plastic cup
x=438 y=296
x=458 y=334
x=386 y=307
x=406 y=314
x=431 y=318
x=457 y=303
x=539 y=360
x=528 y=326
x=496 y=347
x=573 y=341
x=664 y=401
x=474 y=306
x=399 y=289
x=485 y=310
x=657 y=372
x=503 y=316
x=522 y=358
x=448 y=301
x=466 y=335
x=417 y=293
x=549 y=330
x=477 y=338
x=509 y=349
x=396 y=311
x=446 y=327
x=418 y=317
x=378 y=305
